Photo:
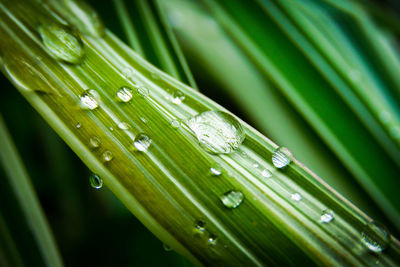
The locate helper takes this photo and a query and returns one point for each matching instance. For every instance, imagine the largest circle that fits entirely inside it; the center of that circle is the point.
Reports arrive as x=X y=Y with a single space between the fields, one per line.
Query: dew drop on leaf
x=166 y=247
x=266 y=173
x=143 y=91
x=327 y=216
x=296 y=197
x=95 y=142
x=142 y=142
x=281 y=157
x=88 y=100
x=212 y=239
x=95 y=181
x=107 y=155
x=61 y=43
x=217 y=132
x=200 y=227
x=177 y=97
x=375 y=237
x=175 y=124
x=123 y=126
x=232 y=199
x=124 y=94
x=78 y=125
x=216 y=169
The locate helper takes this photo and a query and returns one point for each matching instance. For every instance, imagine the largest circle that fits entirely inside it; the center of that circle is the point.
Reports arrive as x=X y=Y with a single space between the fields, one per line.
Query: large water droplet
x=281 y=157
x=84 y=18
x=232 y=199
x=95 y=142
x=62 y=43
x=296 y=197
x=218 y=132
x=142 y=142
x=177 y=97
x=124 y=94
x=375 y=237
x=107 y=155
x=88 y=100
x=327 y=216
x=95 y=181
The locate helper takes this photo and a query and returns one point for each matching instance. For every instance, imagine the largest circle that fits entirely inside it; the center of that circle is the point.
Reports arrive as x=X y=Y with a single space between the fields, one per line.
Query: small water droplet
x=296 y=197
x=327 y=216
x=95 y=142
x=232 y=199
x=142 y=142
x=256 y=165
x=127 y=72
x=107 y=155
x=111 y=128
x=216 y=169
x=166 y=247
x=62 y=43
x=266 y=173
x=95 y=181
x=217 y=132
x=281 y=157
x=85 y=18
x=200 y=227
x=143 y=91
x=175 y=123
x=78 y=125
x=123 y=126
x=88 y=100
x=177 y=97
x=212 y=239
x=124 y=94
x=144 y=120
x=375 y=237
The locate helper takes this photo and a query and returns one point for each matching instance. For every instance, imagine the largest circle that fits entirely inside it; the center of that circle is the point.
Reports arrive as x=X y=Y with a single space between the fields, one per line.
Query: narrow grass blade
x=9 y=254
x=215 y=208
x=27 y=198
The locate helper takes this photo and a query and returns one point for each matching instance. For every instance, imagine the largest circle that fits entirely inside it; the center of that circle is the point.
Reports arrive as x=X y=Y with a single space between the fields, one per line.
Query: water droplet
x=217 y=132
x=212 y=239
x=375 y=237
x=88 y=100
x=177 y=97
x=124 y=94
x=200 y=227
x=107 y=155
x=232 y=199
x=95 y=181
x=123 y=126
x=127 y=72
x=216 y=170
x=266 y=173
x=143 y=91
x=175 y=123
x=166 y=247
x=78 y=125
x=95 y=142
x=85 y=18
x=256 y=165
x=281 y=157
x=111 y=128
x=62 y=43
x=144 y=120
x=327 y=216
x=296 y=197
x=142 y=142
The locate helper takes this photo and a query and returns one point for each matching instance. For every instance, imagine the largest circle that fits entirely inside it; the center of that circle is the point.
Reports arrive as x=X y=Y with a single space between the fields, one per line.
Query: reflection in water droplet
x=296 y=197
x=95 y=181
x=232 y=199
x=88 y=100
x=218 y=132
x=212 y=239
x=107 y=155
x=375 y=237
x=95 y=142
x=281 y=157
x=124 y=94
x=216 y=169
x=200 y=227
x=123 y=126
x=142 y=142
x=175 y=123
x=266 y=173
x=78 y=125
x=166 y=247
x=143 y=91
x=62 y=43
x=177 y=97
x=84 y=17
x=327 y=216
